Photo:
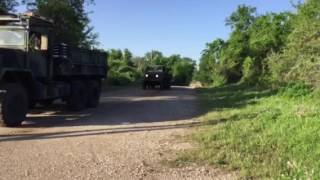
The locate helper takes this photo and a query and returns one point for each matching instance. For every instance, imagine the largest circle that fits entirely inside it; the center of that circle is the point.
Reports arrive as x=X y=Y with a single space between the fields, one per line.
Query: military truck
x=35 y=68
x=156 y=76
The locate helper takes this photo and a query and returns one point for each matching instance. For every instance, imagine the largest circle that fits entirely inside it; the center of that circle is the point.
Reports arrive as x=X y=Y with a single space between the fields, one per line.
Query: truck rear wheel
x=168 y=85
x=14 y=105
x=78 y=97
x=32 y=103
x=94 y=88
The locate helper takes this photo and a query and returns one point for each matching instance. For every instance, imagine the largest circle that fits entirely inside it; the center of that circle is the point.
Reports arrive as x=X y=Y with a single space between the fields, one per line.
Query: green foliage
x=241 y=19
x=249 y=71
x=260 y=133
x=122 y=70
x=126 y=69
x=273 y=48
x=244 y=56
x=7 y=6
x=299 y=61
x=154 y=57
x=182 y=71
x=71 y=21
x=211 y=68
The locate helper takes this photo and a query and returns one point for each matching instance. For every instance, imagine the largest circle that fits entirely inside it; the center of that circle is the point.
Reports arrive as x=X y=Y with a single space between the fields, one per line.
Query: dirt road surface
x=129 y=136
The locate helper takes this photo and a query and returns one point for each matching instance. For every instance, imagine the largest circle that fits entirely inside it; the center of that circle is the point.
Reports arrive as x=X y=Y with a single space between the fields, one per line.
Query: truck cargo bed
x=69 y=61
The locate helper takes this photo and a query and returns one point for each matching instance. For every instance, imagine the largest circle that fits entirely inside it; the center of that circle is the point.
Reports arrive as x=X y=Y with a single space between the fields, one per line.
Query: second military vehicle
x=35 y=68
x=157 y=76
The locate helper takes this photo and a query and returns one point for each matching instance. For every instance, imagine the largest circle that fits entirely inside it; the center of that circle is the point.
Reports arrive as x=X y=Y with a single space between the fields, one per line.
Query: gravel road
x=129 y=136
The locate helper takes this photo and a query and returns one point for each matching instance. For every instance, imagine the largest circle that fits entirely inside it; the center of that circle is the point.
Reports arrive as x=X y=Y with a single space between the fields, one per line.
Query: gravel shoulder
x=127 y=137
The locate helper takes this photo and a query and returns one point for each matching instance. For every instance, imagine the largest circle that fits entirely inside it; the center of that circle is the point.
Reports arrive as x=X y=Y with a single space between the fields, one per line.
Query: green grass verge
x=260 y=133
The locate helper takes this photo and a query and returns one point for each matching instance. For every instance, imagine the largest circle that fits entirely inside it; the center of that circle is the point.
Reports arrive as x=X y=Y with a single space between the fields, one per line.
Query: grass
x=261 y=133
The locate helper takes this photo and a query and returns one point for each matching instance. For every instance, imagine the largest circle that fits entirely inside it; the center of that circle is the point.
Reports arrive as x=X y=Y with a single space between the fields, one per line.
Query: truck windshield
x=12 y=38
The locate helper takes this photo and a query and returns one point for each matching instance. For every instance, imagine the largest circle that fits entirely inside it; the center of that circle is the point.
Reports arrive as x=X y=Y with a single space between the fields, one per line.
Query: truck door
x=38 y=54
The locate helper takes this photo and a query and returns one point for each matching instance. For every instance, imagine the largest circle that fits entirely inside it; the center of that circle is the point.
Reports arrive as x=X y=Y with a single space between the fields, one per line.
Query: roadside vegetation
x=259 y=132
x=261 y=102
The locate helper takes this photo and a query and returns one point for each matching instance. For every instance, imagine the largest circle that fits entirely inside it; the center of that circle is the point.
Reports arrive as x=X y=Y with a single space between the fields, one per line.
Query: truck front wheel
x=78 y=97
x=144 y=85
x=14 y=104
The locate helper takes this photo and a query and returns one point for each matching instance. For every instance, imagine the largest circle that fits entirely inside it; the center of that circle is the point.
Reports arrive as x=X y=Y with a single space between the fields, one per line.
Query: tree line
x=125 y=69
x=268 y=49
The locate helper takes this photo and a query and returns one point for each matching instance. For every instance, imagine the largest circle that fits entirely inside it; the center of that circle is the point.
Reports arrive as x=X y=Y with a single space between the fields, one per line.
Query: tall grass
x=261 y=133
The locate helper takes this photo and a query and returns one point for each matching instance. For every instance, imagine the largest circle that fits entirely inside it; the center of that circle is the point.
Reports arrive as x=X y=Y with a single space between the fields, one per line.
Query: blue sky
x=171 y=26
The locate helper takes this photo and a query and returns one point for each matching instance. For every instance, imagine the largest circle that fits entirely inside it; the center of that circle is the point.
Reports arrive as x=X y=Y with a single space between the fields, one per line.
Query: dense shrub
x=299 y=60
x=252 y=53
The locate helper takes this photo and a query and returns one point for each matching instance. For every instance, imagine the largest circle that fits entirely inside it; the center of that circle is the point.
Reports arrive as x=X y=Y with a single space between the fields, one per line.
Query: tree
x=127 y=57
x=115 y=54
x=7 y=6
x=268 y=34
x=237 y=48
x=140 y=64
x=154 y=57
x=242 y=18
x=71 y=21
x=210 y=71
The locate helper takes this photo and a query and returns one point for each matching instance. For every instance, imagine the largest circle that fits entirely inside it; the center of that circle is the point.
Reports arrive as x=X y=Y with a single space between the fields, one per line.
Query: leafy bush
x=119 y=79
x=242 y=58
x=300 y=59
x=182 y=72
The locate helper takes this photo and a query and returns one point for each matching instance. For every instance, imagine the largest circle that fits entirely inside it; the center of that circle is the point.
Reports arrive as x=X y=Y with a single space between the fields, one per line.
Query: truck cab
x=36 y=69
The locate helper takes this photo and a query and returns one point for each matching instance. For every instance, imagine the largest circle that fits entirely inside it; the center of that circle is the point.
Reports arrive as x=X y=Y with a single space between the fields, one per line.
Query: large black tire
x=144 y=85
x=46 y=103
x=162 y=85
x=94 y=88
x=14 y=105
x=78 y=98
x=32 y=103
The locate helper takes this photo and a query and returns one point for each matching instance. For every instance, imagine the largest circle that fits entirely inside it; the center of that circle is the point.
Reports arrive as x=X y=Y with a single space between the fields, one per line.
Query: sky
x=170 y=26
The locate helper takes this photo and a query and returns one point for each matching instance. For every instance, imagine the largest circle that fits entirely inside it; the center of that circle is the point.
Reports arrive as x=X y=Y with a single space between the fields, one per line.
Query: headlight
x=157 y=75
x=147 y=75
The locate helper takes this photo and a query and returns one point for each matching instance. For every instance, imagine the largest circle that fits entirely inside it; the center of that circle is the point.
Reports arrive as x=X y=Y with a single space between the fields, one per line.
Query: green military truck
x=156 y=76
x=34 y=68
